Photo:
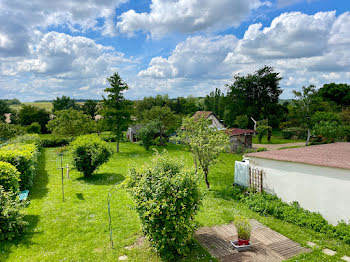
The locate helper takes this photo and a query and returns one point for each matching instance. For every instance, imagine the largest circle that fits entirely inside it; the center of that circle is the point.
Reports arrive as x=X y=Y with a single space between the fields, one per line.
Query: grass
x=77 y=229
x=276 y=138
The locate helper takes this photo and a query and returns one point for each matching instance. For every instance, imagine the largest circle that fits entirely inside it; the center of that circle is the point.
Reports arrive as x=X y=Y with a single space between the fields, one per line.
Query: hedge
x=24 y=158
x=9 y=177
x=267 y=204
x=294 y=133
x=56 y=142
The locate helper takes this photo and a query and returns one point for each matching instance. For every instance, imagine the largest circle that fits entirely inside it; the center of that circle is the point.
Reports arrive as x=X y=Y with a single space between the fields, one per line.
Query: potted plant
x=244 y=230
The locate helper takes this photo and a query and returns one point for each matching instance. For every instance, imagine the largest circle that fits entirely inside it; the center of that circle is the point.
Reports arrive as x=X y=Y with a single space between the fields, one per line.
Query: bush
x=89 y=152
x=9 y=177
x=55 y=142
x=12 y=221
x=167 y=199
x=8 y=131
x=242 y=121
x=24 y=158
x=261 y=149
x=27 y=139
x=329 y=131
x=262 y=131
x=294 y=133
x=34 y=128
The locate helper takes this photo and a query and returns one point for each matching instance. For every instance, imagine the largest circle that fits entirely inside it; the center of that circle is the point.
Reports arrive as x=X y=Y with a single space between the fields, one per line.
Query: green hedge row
x=24 y=158
x=55 y=142
x=267 y=204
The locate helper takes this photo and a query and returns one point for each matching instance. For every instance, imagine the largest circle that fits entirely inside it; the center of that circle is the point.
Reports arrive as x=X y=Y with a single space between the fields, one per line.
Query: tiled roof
x=329 y=155
x=238 y=131
x=204 y=114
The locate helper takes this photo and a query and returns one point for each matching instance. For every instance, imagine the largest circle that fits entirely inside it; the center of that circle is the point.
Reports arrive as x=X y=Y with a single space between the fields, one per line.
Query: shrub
x=34 y=128
x=24 y=158
x=12 y=221
x=167 y=199
x=147 y=134
x=9 y=177
x=55 y=142
x=294 y=133
x=89 y=152
x=27 y=139
x=262 y=131
x=243 y=226
x=330 y=131
x=8 y=130
x=261 y=149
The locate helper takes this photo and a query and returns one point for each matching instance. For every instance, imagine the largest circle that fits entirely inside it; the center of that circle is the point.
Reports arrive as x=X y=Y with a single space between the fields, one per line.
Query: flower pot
x=243 y=242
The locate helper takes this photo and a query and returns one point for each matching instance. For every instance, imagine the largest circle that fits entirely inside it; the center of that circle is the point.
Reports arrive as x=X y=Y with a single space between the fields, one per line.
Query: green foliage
x=163 y=120
x=242 y=121
x=70 y=123
x=55 y=141
x=167 y=199
x=206 y=143
x=262 y=130
x=325 y=116
x=29 y=114
x=24 y=158
x=27 y=139
x=89 y=152
x=116 y=109
x=215 y=102
x=243 y=226
x=90 y=108
x=9 y=177
x=34 y=128
x=294 y=133
x=345 y=116
x=64 y=103
x=12 y=221
x=8 y=131
x=4 y=109
x=261 y=149
x=329 y=130
x=338 y=93
x=255 y=95
x=147 y=133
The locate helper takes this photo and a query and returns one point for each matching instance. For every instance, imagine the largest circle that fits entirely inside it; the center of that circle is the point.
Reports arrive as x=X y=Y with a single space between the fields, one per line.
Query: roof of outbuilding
x=238 y=131
x=329 y=155
x=204 y=114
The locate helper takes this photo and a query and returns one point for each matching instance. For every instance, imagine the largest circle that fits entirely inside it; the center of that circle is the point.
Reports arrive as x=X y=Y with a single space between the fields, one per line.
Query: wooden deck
x=267 y=245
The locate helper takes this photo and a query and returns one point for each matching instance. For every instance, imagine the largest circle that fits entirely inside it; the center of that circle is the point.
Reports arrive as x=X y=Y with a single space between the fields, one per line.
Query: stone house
x=240 y=138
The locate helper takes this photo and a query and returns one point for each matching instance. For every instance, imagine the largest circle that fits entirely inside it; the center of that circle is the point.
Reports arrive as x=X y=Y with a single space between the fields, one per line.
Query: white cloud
x=187 y=16
x=314 y=54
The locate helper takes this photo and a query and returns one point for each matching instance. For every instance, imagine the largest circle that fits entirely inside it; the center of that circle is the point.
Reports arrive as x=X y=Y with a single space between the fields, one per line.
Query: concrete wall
x=319 y=189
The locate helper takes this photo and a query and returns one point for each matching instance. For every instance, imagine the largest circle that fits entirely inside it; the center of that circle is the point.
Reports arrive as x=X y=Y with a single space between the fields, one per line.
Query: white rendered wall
x=316 y=188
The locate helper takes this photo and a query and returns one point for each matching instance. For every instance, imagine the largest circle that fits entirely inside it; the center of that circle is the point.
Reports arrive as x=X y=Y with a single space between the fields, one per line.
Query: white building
x=318 y=177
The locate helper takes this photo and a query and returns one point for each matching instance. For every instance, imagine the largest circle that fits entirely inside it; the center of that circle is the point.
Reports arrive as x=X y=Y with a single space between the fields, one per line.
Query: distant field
x=45 y=105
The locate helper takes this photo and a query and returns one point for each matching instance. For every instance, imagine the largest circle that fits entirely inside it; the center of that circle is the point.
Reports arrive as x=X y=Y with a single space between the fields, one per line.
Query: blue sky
x=175 y=47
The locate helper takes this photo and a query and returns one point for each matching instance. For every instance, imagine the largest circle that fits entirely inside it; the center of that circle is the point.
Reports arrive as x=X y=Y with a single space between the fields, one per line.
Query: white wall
x=316 y=188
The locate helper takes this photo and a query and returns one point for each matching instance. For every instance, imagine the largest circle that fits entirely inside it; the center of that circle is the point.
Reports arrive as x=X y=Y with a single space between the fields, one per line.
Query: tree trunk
x=206 y=179
x=161 y=139
x=308 y=137
x=117 y=146
x=195 y=163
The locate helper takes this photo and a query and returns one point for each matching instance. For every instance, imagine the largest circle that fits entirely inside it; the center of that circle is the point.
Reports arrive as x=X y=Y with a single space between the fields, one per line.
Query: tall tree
x=163 y=119
x=63 y=103
x=116 y=109
x=305 y=107
x=31 y=114
x=255 y=95
x=90 y=107
x=338 y=93
x=215 y=102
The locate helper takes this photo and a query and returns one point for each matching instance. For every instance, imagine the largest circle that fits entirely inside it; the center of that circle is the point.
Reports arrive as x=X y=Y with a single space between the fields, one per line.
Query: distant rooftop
x=204 y=114
x=238 y=131
x=329 y=155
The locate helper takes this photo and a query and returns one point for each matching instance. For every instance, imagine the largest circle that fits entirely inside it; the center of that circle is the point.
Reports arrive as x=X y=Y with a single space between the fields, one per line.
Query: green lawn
x=77 y=229
x=276 y=138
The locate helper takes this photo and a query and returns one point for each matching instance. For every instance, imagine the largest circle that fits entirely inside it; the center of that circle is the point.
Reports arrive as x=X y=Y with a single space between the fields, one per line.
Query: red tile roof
x=204 y=114
x=238 y=131
x=329 y=155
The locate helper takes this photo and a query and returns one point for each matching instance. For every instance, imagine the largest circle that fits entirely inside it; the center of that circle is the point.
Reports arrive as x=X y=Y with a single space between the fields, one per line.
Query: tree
x=4 y=109
x=242 y=121
x=255 y=95
x=31 y=114
x=305 y=107
x=338 y=93
x=215 y=102
x=206 y=143
x=64 y=103
x=70 y=123
x=90 y=107
x=164 y=120
x=147 y=134
x=116 y=109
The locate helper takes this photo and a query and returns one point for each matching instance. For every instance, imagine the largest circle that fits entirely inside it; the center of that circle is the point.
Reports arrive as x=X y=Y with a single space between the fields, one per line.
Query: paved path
x=274 y=147
x=267 y=245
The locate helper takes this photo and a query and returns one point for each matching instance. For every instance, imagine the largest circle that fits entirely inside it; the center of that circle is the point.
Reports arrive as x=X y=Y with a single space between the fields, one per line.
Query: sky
x=175 y=47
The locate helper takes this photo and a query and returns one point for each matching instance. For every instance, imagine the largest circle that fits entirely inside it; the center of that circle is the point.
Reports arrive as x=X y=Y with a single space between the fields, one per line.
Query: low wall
x=316 y=188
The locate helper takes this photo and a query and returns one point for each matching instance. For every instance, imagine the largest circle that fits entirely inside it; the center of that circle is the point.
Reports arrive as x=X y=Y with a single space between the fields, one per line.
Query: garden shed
x=215 y=121
x=240 y=138
x=132 y=132
x=317 y=177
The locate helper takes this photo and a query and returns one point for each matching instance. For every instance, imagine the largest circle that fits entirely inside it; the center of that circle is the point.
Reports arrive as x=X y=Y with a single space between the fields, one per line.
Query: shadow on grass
x=39 y=189
x=23 y=240
x=102 y=179
x=80 y=196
